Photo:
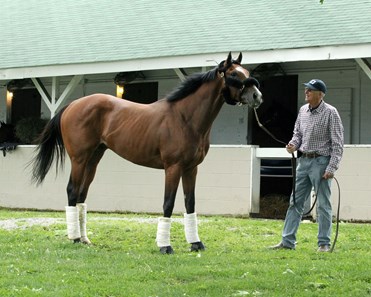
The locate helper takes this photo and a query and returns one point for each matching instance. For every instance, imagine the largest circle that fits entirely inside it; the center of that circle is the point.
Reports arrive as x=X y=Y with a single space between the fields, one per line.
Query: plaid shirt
x=320 y=131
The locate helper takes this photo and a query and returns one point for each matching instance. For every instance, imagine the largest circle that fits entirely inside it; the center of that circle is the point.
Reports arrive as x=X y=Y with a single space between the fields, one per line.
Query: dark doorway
x=141 y=92
x=278 y=114
x=26 y=103
x=278 y=111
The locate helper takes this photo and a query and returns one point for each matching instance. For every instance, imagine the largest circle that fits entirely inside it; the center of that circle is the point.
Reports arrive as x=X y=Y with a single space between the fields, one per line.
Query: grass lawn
x=124 y=260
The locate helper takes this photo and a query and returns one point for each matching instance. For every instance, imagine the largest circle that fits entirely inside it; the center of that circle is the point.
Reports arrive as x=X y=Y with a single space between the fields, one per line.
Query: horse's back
x=103 y=103
x=119 y=124
x=92 y=102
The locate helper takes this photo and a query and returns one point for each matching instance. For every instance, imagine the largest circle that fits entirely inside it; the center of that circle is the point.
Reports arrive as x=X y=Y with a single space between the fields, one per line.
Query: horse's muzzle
x=251 y=96
x=254 y=96
x=248 y=92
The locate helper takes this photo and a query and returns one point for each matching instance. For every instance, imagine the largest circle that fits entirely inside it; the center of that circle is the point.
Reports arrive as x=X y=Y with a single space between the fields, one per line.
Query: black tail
x=50 y=146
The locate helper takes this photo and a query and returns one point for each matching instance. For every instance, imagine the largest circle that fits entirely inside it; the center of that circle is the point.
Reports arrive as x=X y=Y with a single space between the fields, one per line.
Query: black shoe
x=280 y=246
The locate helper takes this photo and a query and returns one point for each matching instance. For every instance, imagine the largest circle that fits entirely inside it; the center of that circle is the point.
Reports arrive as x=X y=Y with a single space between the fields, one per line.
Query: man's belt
x=310 y=155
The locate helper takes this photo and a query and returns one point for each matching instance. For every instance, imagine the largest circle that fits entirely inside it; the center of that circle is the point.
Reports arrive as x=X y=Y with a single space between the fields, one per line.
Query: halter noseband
x=238 y=84
x=235 y=83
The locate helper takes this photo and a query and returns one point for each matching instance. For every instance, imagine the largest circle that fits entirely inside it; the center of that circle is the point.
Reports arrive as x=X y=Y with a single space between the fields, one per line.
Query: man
x=319 y=136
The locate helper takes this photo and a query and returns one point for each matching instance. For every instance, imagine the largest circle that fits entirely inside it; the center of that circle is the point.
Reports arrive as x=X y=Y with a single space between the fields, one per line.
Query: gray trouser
x=309 y=174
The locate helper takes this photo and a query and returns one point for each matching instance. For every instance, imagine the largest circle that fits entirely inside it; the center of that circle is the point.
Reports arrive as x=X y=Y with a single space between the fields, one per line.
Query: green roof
x=51 y=32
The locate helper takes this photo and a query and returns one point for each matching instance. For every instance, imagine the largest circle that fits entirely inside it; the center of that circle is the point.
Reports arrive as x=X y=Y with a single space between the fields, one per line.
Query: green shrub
x=28 y=129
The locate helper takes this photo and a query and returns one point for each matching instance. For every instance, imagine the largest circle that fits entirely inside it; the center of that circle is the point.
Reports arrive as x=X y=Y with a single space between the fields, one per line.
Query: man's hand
x=328 y=175
x=290 y=148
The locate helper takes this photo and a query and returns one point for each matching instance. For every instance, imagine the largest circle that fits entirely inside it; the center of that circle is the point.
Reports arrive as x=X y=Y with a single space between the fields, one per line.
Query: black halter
x=235 y=82
x=238 y=84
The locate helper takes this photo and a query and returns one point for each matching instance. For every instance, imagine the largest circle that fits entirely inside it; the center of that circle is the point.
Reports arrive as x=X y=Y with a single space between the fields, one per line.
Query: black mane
x=191 y=84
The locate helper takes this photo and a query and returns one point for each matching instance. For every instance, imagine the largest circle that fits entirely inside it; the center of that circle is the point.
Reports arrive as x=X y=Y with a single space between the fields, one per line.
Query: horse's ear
x=228 y=62
x=239 y=59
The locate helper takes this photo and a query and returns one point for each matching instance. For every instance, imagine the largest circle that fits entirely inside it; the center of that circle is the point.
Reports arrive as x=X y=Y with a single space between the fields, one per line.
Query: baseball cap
x=316 y=85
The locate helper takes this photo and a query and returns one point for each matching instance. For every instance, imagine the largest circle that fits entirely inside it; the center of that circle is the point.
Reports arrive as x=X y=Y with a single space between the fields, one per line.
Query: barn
x=54 y=52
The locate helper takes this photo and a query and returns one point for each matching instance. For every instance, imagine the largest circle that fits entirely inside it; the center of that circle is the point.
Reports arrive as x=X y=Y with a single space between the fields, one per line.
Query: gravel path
x=23 y=223
x=11 y=224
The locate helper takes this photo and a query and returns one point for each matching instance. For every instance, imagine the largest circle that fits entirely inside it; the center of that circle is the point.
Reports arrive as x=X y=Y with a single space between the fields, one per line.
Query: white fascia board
x=201 y=60
x=308 y=54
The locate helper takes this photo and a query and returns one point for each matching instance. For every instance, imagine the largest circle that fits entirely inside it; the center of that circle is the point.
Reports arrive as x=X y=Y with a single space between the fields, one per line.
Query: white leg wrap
x=73 y=224
x=163 y=232
x=191 y=228
x=82 y=207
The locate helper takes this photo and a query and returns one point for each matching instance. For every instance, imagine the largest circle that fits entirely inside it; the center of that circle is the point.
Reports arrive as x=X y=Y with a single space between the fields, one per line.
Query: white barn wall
x=355 y=184
x=230 y=126
x=225 y=185
x=222 y=186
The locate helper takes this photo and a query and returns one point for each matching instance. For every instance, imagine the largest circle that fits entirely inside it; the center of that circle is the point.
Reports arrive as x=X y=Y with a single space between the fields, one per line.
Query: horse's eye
x=234 y=74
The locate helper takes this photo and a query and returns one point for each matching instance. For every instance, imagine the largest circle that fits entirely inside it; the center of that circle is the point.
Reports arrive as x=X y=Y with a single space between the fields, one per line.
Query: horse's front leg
x=190 y=218
x=172 y=178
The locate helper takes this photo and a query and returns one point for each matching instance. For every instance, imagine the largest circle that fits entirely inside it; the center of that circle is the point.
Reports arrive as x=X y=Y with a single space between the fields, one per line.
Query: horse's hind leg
x=89 y=175
x=190 y=218
x=82 y=174
x=72 y=212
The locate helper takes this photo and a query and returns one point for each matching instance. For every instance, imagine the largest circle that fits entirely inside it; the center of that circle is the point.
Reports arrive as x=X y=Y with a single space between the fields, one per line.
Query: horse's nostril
x=255 y=96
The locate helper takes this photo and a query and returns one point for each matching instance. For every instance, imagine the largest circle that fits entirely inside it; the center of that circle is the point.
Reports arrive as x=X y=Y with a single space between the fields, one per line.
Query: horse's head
x=239 y=88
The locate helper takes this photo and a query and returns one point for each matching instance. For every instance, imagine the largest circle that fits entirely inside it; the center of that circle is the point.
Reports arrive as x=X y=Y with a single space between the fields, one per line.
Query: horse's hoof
x=85 y=240
x=197 y=246
x=166 y=250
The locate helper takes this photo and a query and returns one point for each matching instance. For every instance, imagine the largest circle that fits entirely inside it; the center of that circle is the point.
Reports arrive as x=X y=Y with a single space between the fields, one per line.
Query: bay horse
x=170 y=134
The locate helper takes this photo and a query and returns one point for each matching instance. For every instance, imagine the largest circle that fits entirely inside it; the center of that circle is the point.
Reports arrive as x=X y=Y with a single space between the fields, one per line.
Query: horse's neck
x=202 y=107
